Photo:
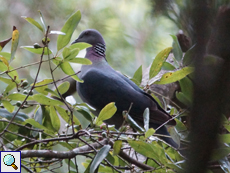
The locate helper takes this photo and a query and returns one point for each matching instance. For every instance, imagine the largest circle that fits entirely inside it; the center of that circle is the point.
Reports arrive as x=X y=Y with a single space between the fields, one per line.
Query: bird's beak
x=75 y=41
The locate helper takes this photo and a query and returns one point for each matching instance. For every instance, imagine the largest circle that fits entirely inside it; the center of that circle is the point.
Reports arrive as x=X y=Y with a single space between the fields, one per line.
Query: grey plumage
x=102 y=85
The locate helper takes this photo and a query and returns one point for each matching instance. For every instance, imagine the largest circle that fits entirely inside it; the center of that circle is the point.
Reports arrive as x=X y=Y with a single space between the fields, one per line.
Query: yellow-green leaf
x=72 y=54
x=80 y=45
x=158 y=62
x=37 y=50
x=18 y=97
x=177 y=52
x=40 y=98
x=137 y=77
x=66 y=116
x=33 y=22
x=68 y=29
x=83 y=61
x=8 y=105
x=42 y=88
x=54 y=118
x=4 y=60
x=149 y=133
x=63 y=87
x=117 y=147
x=171 y=77
x=107 y=112
x=14 y=45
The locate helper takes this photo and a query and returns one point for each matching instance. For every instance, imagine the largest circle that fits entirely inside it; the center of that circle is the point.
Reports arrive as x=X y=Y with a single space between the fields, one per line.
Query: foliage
x=32 y=115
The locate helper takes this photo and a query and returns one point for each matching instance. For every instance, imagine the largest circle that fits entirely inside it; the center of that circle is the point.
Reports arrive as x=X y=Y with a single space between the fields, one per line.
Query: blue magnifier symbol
x=9 y=161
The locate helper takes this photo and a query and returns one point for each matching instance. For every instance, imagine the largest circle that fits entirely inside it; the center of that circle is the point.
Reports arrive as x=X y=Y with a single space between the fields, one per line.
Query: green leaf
x=137 y=77
x=225 y=138
x=33 y=22
x=6 y=80
x=149 y=133
x=186 y=86
x=183 y=99
x=13 y=74
x=62 y=88
x=66 y=116
x=83 y=61
x=148 y=150
x=40 y=98
x=80 y=46
x=18 y=97
x=4 y=60
x=100 y=156
x=117 y=147
x=8 y=106
x=10 y=87
x=146 y=119
x=177 y=52
x=19 y=117
x=106 y=113
x=68 y=29
x=37 y=50
x=6 y=55
x=42 y=89
x=167 y=66
x=67 y=69
x=157 y=99
x=158 y=62
x=14 y=44
x=72 y=54
x=171 y=77
x=66 y=52
x=188 y=57
x=220 y=153
x=54 y=119
x=35 y=124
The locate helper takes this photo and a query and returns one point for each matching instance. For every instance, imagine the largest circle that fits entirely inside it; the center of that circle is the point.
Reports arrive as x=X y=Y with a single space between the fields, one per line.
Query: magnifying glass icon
x=9 y=161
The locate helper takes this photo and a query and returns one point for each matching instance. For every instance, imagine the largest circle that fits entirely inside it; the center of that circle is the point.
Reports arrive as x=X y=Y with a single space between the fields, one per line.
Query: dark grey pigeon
x=102 y=85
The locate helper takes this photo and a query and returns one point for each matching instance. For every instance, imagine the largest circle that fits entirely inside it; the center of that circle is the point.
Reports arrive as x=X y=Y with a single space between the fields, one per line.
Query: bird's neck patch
x=100 y=48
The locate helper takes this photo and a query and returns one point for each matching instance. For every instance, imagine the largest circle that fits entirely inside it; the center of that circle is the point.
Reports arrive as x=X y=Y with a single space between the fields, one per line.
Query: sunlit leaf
x=14 y=45
x=6 y=55
x=33 y=22
x=106 y=113
x=37 y=50
x=18 y=97
x=149 y=133
x=4 y=60
x=83 y=61
x=158 y=62
x=117 y=147
x=62 y=88
x=54 y=118
x=40 y=98
x=8 y=105
x=171 y=77
x=137 y=77
x=100 y=156
x=80 y=45
x=42 y=88
x=67 y=69
x=73 y=54
x=66 y=115
x=68 y=29
x=177 y=52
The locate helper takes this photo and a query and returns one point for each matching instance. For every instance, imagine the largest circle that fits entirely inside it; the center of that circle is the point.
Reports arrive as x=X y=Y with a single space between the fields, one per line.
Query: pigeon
x=103 y=85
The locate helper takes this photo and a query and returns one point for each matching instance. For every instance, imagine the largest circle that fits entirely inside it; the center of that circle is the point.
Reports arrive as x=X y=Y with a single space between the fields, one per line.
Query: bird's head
x=90 y=36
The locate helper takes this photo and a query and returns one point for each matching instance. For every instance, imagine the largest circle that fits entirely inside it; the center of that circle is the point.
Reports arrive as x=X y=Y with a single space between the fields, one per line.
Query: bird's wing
x=100 y=88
